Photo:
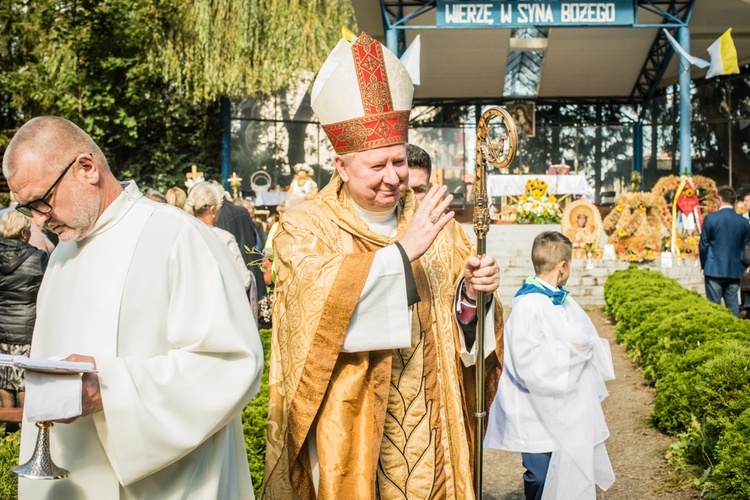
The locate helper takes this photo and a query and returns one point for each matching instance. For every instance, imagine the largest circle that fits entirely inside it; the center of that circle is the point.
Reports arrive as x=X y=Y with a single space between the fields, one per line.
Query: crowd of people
x=374 y=349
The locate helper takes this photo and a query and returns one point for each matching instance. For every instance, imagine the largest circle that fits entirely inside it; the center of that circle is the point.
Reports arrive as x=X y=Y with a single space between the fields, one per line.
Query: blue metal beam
x=683 y=37
x=661 y=52
x=673 y=12
x=226 y=136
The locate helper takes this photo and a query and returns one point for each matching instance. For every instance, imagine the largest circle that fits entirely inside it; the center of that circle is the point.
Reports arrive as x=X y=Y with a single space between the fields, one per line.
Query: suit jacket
x=237 y=221
x=725 y=234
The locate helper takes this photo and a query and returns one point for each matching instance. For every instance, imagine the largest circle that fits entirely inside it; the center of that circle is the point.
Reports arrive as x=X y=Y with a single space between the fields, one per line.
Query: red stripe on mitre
x=372 y=75
x=369 y=132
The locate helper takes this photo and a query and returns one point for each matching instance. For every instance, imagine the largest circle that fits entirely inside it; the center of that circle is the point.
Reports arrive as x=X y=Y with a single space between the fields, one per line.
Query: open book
x=46 y=365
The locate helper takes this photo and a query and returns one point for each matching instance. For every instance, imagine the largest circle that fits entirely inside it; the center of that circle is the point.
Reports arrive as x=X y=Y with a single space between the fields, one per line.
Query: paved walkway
x=635 y=447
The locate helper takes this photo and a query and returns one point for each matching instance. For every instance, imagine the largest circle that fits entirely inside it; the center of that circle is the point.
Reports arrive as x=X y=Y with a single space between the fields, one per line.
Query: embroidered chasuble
x=389 y=423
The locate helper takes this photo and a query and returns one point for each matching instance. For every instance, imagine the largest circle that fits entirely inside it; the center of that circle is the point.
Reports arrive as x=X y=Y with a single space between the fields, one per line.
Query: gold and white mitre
x=362 y=96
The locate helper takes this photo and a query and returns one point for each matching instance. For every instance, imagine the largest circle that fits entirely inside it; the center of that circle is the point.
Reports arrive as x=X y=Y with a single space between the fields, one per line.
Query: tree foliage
x=144 y=77
x=212 y=48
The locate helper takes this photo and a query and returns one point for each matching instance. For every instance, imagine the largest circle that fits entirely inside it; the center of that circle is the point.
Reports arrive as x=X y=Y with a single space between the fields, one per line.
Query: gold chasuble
x=389 y=424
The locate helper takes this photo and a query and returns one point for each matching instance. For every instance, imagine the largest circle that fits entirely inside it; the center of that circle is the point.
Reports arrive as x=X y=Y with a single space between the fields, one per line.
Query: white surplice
x=234 y=249
x=550 y=392
x=154 y=296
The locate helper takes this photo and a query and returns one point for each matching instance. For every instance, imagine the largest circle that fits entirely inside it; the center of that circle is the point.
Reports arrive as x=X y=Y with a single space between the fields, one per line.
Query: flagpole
x=729 y=110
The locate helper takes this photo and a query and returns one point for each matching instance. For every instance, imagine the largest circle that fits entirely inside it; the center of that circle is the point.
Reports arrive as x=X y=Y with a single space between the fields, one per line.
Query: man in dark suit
x=237 y=221
x=724 y=236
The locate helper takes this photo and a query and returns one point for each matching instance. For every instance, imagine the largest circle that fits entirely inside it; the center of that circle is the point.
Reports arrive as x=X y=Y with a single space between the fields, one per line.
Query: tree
x=143 y=78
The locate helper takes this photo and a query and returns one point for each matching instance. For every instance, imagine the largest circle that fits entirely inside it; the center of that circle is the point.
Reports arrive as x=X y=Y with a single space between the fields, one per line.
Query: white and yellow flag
x=695 y=61
x=722 y=52
x=723 y=56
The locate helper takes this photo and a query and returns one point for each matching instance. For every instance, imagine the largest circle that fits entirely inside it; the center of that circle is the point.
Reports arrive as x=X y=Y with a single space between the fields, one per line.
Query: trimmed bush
x=730 y=477
x=677 y=397
x=254 y=418
x=698 y=356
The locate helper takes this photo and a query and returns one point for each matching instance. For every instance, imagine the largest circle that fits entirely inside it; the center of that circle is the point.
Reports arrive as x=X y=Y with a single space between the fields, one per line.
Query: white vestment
x=550 y=392
x=231 y=242
x=155 y=297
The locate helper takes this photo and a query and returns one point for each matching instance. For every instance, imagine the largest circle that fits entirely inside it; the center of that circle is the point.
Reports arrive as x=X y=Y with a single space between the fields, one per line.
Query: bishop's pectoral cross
x=194 y=175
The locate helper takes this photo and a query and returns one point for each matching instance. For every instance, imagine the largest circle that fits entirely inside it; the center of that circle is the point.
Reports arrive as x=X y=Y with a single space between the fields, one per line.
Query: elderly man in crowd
x=150 y=296
x=372 y=362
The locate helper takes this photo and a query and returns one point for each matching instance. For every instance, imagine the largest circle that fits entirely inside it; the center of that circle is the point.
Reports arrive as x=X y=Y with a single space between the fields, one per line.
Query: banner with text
x=520 y=14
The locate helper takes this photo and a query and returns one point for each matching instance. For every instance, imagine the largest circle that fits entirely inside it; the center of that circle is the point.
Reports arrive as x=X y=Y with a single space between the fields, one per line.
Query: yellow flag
x=723 y=56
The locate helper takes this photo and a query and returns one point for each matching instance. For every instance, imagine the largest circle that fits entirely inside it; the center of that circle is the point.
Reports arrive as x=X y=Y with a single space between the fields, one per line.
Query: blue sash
x=532 y=285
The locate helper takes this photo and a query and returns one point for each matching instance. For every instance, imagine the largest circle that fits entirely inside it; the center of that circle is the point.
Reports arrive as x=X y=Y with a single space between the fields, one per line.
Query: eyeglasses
x=40 y=205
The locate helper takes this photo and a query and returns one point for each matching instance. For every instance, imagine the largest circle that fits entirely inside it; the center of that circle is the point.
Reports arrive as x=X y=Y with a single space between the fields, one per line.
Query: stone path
x=635 y=447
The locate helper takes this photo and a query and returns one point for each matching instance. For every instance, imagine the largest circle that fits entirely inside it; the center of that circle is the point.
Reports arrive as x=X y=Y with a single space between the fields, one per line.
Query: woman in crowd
x=204 y=202
x=21 y=269
x=176 y=197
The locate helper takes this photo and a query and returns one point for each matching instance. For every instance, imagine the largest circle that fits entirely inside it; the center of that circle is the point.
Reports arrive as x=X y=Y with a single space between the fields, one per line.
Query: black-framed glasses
x=39 y=205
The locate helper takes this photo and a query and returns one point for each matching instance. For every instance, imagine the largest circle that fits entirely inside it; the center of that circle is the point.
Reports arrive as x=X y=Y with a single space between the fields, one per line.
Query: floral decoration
x=536 y=206
x=697 y=197
x=666 y=187
x=635 y=226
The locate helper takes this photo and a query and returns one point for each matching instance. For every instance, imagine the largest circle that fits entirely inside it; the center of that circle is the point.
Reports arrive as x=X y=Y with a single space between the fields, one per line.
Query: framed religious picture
x=582 y=224
x=523 y=113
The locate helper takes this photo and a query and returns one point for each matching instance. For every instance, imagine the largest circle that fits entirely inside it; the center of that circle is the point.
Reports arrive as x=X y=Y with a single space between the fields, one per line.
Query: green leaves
x=224 y=47
x=144 y=77
x=698 y=356
x=10 y=445
x=254 y=418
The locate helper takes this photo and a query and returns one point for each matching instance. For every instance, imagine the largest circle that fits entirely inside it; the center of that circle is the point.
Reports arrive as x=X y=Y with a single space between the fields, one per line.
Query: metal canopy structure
x=473 y=53
x=622 y=64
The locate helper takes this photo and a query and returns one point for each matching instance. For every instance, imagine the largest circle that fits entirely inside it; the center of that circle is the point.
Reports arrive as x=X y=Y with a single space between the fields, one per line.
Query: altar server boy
x=548 y=403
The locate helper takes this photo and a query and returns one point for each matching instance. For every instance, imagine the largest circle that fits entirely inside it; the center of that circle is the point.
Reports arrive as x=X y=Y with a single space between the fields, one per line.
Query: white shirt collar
x=383 y=223
x=117 y=209
x=368 y=216
x=553 y=288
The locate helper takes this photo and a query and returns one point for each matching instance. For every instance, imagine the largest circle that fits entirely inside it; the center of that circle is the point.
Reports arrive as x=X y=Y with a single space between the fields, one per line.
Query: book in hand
x=46 y=365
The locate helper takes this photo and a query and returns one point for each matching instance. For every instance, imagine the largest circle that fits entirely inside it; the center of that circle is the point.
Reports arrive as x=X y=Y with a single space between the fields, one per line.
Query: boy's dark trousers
x=536 y=473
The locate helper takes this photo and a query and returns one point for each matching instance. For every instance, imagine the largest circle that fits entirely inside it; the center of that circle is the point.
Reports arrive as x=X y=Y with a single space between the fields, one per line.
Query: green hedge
x=253 y=423
x=732 y=473
x=9 y=448
x=254 y=418
x=697 y=355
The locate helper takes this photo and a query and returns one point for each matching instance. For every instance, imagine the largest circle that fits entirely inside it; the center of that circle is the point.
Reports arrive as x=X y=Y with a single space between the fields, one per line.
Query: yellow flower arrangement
x=535 y=206
x=667 y=186
x=634 y=227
